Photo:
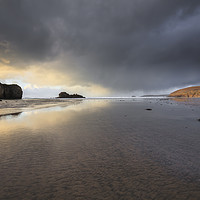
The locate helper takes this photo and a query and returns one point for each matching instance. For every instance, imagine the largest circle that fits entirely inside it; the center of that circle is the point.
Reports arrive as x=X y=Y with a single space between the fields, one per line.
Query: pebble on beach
x=148 y=109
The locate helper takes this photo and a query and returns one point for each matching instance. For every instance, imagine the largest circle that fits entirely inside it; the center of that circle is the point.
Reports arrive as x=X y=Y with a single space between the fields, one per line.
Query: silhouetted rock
x=187 y=92
x=76 y=96
x=66 y=95
x=10 y=91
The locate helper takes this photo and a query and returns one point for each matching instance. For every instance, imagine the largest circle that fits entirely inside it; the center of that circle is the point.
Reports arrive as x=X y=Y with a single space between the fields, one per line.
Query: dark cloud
x=129 y=44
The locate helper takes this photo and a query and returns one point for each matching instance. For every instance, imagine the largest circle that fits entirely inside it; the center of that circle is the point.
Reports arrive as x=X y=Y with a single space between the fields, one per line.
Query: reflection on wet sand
x=40 y=119
x=191 y=101
x=10 y=115
x=95 y=150
x=23 y=105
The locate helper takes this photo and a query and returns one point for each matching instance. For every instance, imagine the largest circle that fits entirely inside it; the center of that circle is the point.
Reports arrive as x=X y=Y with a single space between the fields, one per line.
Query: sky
x=100 y=47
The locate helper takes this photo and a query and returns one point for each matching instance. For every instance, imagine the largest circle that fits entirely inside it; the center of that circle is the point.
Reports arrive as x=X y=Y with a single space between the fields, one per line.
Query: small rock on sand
x=148 y=109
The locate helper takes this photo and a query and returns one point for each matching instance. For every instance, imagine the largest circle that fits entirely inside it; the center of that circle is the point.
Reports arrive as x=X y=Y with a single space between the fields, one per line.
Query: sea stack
x=66 y=95
x=12 y=91
x=189 y=92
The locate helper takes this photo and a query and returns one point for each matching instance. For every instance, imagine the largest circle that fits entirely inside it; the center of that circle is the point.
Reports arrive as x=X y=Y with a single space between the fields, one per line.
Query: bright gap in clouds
x=43 y=82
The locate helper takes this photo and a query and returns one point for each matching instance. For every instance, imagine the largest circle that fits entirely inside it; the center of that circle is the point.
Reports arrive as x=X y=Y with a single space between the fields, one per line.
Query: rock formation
x=10 y=91
x=66 y=95
x=187 y=92
x=63 y=95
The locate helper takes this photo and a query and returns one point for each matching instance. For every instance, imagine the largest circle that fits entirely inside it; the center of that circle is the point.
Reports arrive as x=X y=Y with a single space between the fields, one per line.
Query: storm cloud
x=119 y=44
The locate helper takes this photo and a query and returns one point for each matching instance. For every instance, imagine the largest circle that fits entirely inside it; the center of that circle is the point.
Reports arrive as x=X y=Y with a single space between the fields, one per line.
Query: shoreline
x=11 y=107
x=14 y=106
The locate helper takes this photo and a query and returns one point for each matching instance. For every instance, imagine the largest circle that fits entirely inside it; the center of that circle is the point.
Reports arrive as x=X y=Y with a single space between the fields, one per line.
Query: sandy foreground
x=101 y=149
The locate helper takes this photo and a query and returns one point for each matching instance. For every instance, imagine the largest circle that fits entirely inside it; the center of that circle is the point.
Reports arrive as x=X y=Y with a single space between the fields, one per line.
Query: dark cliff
x=12 y=91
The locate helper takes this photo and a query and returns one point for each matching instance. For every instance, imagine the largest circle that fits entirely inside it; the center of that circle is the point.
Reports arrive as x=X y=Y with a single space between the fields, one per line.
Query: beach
x=123 y=148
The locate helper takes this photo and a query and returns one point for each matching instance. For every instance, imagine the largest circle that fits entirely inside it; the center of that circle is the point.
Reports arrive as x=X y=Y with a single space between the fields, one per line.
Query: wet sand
x=8 y=107
x=102 y=149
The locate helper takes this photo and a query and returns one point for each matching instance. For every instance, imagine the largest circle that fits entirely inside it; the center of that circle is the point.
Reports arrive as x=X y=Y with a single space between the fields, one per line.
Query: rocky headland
x=12 y=91
x=66 y=95
x=190 y=92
